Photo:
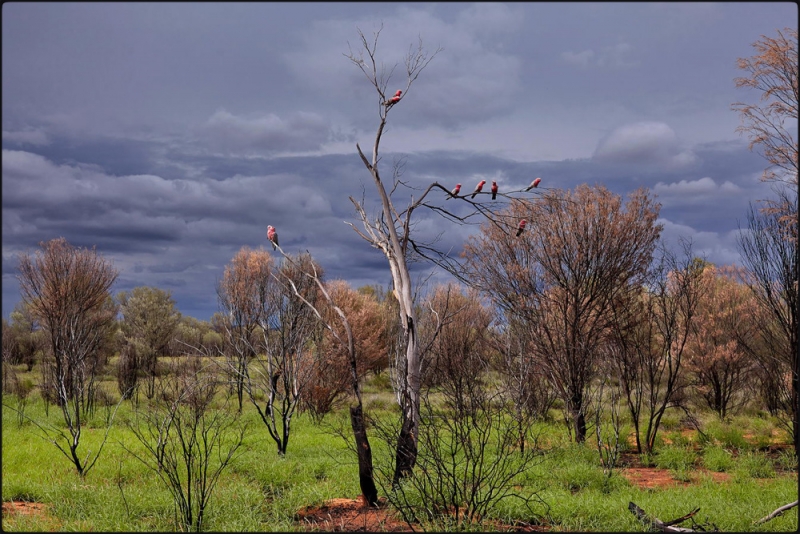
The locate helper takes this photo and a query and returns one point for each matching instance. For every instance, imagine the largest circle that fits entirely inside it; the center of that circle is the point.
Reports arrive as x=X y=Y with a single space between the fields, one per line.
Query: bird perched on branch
x=454 y=192
x=478 y=189
x=494 y=190
x=534 y=183
x=395 y=99
x=272 y=235
x=521 y=226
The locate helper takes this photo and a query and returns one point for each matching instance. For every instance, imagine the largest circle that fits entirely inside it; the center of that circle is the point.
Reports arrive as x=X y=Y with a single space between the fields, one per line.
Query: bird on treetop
x=272 y=235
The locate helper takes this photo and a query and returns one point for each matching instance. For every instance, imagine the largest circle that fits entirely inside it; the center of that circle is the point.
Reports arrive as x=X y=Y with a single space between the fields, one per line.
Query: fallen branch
x=665 y=526
x=776 y=513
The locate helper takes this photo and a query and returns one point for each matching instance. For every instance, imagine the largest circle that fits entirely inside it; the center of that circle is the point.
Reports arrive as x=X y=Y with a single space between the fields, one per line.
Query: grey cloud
x=265 y=135
x=170 y=134
x=473 y=78
x=613 y=56
x=643 y=142
x=26 y=137
x=582 y=59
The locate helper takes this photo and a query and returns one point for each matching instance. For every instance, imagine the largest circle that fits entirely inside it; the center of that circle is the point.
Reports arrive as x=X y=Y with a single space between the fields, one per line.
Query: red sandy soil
x=350 y=515
x=24 y=508
x=14 y=508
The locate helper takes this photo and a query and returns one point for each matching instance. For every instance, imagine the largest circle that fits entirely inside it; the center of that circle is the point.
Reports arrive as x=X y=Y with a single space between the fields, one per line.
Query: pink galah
x=478 y=189
x=272 y=235
x=521 y=226
x=494 y=190
x=395 y=99
x=534 y=183
x=454 y=192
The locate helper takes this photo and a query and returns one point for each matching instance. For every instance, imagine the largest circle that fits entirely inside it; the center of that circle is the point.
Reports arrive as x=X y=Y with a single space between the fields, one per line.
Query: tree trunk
x=795 y=407
x=578 y=418
x=365 y=473
x=580 y=427
x=406 y=454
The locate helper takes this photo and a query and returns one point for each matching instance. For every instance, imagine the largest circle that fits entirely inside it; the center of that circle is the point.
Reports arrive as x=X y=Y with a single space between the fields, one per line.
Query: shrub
x=676 y=458
x=754 y=465
x=787 y=460
x=729 y=437
x=717 y=459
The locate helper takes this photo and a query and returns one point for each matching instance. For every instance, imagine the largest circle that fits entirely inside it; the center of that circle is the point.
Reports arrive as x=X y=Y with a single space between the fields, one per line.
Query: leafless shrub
x=188 y=444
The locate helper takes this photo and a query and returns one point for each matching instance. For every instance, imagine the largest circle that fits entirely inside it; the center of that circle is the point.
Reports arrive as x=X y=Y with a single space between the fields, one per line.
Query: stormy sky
x=169 y=135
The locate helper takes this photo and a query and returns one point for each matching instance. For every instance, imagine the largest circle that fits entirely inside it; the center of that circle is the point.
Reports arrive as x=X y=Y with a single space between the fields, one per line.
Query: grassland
x=262 y=491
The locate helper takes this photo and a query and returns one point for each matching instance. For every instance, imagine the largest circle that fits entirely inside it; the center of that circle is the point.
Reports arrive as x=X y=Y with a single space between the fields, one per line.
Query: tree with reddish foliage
x=243 y=295
x=67 y=289
x=584 y=248
x=458 y=353
x=719 y=365
x=332 y=373
x=771 y=125
x=772 y=71
x=338 y=324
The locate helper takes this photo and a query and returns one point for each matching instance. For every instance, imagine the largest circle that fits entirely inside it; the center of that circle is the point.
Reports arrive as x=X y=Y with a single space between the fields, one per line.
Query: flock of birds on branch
x=272 y=234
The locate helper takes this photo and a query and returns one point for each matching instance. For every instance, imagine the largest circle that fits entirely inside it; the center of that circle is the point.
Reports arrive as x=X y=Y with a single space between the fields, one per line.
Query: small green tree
x=149 y=321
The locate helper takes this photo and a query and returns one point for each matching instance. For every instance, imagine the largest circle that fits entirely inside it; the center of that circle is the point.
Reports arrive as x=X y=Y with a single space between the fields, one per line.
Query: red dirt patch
x=25 y=508
x=350 y=515
x=653 y=477
x=30 y=509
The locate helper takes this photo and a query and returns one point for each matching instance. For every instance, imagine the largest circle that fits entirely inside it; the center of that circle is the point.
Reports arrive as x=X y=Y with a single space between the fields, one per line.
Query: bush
x=676 y=458
x=468 y=459
x=754 y=465
x=729 y=436
x=717 y=459
x=787 y=460
x=677 y=439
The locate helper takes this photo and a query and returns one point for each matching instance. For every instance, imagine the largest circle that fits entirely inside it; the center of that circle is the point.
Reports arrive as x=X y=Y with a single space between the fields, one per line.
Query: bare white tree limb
x=776 y=513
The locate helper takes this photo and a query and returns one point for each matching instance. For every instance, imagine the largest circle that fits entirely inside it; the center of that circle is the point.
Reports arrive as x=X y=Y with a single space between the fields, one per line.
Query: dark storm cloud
x=265 y=135
x=169 y=135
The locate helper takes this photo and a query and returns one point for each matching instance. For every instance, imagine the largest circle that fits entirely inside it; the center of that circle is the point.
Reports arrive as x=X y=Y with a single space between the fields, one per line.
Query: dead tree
x=365 y=469
x=390 y=232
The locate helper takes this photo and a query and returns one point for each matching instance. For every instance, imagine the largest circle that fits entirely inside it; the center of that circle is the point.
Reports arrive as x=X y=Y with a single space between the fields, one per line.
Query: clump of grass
x=754 y=465
x=676 y=458
x=647 y=459
x=729 y=436
x=787 y=460
x=677 y=439
x=717 y=459
x=681 y=475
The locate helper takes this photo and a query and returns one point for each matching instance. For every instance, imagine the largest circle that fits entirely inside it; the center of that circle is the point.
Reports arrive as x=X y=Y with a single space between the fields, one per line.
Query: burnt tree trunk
x=365 y=473
x=406 y=456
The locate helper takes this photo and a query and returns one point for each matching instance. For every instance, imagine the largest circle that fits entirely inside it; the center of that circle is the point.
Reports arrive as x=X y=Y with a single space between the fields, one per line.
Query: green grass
x=676 y=458
x=717 y=459
x=261 y=491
